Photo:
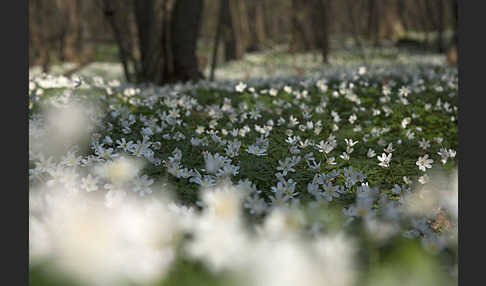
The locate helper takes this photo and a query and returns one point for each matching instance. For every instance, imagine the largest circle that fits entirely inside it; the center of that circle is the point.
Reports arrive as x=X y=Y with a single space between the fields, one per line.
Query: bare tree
x=455 y=24
x=373 y=31
x=157 y=39
x=217 y=37
x=440 y=28
x=355 y=28
x=229 y=33
x=235 y=28
x=320 y=19
x=276 y=14
x=43 y=32
x=452 y=54
x=302 y=32
x=256 y=25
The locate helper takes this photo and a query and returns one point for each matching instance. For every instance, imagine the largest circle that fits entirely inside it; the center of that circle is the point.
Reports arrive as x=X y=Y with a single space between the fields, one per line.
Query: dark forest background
x=163 y=41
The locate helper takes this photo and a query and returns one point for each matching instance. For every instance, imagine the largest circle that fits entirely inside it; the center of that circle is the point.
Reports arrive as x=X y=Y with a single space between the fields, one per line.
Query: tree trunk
x=115 y=14
x=217 y=37
x=302 y=32
x=259 y=24
x=228 y=32
x=271 y=20
x=355 y=29
x=452 y=54
x=391 y=25
x=157 y=39
x=426 y=18
x=150 y=35
x=401 y=11
x=320 y=21
x=185 y=24
x=256 y=24
x=38 y=28
x=236 y=30
x=455 y=13
x=440 y=28
x=373 y=22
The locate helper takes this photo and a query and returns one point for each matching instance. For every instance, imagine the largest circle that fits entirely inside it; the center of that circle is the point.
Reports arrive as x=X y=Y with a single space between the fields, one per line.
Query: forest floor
x=346 y=172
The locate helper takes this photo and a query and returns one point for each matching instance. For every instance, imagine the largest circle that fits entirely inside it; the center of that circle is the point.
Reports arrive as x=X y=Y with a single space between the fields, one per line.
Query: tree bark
x=355 y=29
x=401 y=11
x=440 y=28
x=373 y=22
x=228 y=32
x=186 y=21
x=149 y=39
x=302 y=32
x=157 y=39
x=40 y=34
x=425 y=18
x=256 y=24
x=455 y=13
x=235 y=29
x=320 y=20
x=217 y=37
x=115 y=17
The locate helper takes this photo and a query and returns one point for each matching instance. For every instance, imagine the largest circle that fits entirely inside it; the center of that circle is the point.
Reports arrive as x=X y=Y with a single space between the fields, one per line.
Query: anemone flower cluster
x=267 y=180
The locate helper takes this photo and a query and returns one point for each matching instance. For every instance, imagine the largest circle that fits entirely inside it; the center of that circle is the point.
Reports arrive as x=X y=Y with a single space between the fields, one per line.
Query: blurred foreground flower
x=99 y=245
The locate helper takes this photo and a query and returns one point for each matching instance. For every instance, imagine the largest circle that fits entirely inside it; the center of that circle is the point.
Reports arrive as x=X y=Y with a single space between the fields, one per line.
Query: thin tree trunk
x=355 y=29
x=228 y=32
x=320 y=21
x=43 y=41
x=373 y=22
x=425 y=19
x=402 y=10
x=110 y=12
x=325 y=44
x=452 y=54
x=455 y=13
x=256 y=25
x=259 y=24
x=435 y=20
x=235 y=30
x=302 y=34
x=391 y=25
x=440 y=44
x=166 y=61
x=239 y=11
x=272 y=27
x=217 y=37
